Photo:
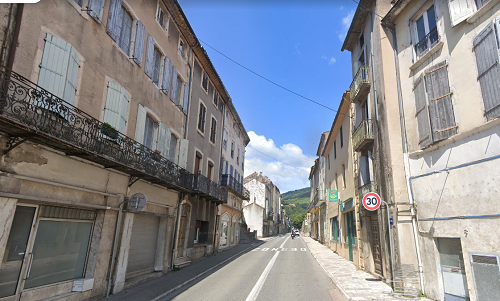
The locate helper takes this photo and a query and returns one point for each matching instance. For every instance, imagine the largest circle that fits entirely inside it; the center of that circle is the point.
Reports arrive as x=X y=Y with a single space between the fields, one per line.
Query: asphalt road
x=280 y=269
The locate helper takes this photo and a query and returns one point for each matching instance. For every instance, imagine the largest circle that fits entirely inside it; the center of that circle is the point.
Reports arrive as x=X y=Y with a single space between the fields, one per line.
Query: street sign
x=333 y=195
x=371 y=201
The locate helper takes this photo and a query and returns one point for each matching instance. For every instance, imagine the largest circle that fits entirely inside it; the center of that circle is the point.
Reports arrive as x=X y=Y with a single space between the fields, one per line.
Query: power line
x=366 y=9
x=302 y=169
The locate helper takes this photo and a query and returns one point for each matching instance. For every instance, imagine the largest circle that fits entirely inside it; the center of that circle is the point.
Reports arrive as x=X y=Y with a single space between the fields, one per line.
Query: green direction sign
x=333 y=195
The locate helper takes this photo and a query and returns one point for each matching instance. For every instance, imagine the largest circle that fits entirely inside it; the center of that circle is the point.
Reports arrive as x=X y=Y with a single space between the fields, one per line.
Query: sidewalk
x=163 y=286
x=347 y=278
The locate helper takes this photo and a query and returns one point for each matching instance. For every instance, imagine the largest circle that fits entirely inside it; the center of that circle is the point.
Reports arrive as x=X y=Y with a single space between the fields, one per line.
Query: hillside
x=295 y=203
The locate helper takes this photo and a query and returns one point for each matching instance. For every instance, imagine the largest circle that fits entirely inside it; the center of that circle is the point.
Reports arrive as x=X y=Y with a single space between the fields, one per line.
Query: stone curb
x=185 y=283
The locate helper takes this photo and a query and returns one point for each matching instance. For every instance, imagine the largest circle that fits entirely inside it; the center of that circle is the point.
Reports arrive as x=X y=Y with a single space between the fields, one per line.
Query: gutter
x=15 y=40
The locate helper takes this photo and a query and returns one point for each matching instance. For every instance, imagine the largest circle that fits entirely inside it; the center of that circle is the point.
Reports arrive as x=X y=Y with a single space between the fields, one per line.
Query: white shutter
x=123 y=111
x=186 y=99
x=53 y=68
x=140 y=125
x=166 y=75
x=139 y=43
x=112 y=109
x=183 y=153
x=150 y=49
x=71 y=76
x=460 y=10
x=96 y=7
x=163 y=142
x=113 y=26
x=175 y=82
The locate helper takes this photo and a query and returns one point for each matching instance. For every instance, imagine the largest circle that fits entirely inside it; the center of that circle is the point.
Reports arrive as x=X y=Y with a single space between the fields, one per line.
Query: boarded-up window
x=488 y=69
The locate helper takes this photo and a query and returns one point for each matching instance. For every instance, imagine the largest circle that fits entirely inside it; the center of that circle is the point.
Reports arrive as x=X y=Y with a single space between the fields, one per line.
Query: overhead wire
x=300 y=168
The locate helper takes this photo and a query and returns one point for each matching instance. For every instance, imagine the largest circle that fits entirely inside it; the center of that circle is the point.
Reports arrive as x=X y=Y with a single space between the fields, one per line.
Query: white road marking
x=258 y=286
x=265 y=249
x=294 y=249
x=274 y=249
x=303 y=249
x=284 y=249
x=255 y=249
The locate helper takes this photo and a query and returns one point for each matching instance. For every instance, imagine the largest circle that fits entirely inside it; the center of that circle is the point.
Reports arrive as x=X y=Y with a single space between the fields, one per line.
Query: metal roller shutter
x=142 y=252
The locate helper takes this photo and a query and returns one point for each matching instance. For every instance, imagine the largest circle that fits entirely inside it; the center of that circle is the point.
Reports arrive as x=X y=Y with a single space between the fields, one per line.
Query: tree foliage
x=296 y=203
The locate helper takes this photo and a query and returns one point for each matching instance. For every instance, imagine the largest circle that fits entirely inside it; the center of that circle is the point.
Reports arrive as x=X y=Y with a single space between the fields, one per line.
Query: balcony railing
x=208 y=189
x=427 y=42
x=360 y=84
x=235 y=186
x=368 y=187
x=29 y=112
x=363 y=136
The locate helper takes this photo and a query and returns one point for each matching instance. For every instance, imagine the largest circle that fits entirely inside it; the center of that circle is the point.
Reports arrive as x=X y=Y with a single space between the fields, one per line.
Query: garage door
x=142 y=252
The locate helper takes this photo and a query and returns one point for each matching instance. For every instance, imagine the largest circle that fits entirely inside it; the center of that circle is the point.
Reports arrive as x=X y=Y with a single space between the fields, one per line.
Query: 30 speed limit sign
x=371 y=201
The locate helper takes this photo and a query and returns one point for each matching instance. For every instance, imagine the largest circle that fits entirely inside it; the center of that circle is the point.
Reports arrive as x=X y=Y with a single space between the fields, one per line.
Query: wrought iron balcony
x=362 y=138
x=427 y=42
x=28 y=112
x=360 y=84
x=368 y=187
x=236 y=187
x=208 y=189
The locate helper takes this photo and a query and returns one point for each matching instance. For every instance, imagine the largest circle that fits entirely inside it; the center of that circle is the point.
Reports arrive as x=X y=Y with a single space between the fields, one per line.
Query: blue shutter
x=113 y=27
x=96 y=7
x=140 y=125
x=175 y=82
x=186 y=99
x=166 y=75
x=53 y=68
x=71 y=76
x=150 y=49
x=113 y=104
x=139 y=43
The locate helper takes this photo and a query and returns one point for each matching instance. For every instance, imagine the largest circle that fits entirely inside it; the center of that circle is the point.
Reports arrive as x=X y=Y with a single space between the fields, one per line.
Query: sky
x=295 y=44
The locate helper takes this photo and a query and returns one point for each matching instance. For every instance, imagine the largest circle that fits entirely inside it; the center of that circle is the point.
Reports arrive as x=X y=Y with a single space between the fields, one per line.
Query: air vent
x=486 y=274
x=484 y=259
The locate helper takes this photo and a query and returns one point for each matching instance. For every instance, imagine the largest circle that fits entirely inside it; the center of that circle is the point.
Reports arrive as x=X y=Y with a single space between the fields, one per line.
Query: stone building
x=76 y=84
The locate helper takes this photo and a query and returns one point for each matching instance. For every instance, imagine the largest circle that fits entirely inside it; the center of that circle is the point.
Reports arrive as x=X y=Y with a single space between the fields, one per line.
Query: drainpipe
x=190 y=87
x=6 y=33
x=176 y=228
x=373 y=67
x=17 y=28
x=405 y=156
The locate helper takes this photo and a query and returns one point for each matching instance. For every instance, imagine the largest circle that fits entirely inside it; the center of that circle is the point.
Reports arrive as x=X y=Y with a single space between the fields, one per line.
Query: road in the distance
x=280 y=269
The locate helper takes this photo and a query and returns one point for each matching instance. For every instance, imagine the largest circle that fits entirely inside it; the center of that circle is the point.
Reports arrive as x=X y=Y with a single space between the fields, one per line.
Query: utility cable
x=366 y=9
x=299 y=168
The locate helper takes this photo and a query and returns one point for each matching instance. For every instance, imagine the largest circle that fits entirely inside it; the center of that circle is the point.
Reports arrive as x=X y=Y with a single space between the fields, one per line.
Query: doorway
x=452 y=268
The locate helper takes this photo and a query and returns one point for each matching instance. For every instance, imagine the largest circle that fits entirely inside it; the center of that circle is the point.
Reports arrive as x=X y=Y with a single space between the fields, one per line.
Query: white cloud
x=346 y=22
x=330 y=60
x=288 y=168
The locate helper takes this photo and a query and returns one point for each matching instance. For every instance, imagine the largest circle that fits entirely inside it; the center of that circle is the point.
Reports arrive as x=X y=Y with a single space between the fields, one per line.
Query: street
x=280 y=269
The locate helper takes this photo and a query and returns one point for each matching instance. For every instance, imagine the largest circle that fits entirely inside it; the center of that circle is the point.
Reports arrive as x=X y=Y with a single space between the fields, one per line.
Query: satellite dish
x=137 y=202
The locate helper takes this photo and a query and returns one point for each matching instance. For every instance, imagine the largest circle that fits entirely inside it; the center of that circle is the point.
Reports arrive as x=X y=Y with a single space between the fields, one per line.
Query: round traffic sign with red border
x=371 y=201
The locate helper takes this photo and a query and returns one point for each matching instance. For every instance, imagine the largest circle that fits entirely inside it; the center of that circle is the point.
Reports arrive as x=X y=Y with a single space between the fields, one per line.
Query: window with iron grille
x=425 y=32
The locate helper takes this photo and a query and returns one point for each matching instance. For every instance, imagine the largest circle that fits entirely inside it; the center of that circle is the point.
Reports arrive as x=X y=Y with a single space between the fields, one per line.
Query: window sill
x=84 y=14
x=482 y=11
x=428 y=54
x=200 y=132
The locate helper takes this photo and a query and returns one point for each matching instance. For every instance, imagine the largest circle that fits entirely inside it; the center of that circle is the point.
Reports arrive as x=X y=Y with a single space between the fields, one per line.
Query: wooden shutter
x=166 y=75
x=139 y=43
x=185 y=105
x=486 y=49
x=183 y=152
x=422 y=113
x=71 y=76
x=175 y=82
x=96 y=7
x=150 y=50
x=113 y=26
x=440 y=106
x=53 y=68
x=113 y=104
x=460 y=10
x=140 y=125
x=163 y=142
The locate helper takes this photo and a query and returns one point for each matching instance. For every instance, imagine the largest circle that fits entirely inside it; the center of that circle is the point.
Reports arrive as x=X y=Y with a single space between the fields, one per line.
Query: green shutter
x=183 y=152
x=113 y=103
x=54 y=65
x=140 y=125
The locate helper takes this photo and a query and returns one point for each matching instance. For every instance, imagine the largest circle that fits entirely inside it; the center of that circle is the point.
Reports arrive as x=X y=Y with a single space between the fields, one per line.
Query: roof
x=342 y=112
x=357 y=24
x=394 y=11
x=321 y=143
x=313 y=168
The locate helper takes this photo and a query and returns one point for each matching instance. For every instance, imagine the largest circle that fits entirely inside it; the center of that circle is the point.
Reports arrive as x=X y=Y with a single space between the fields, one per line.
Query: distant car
x=297 y=232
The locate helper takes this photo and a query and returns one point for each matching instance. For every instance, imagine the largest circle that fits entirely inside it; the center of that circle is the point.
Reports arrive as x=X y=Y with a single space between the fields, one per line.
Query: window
x=201 y=118
x=210 y=169
x=179 y=91
x=149 y=132
x=213 y=130
x=173 y=148
x=484 y=46
x=341 y=138
x=433 y=104
x=197 y=163
x=162 y=19
x=335 y=228
x=232 y=149
x=156 y=66
x=95 y=8
x=216 y=97
x=343 y=176
x=181 y=48
x=425 y=32
x=204 y=81
x=336 y=182
x=328 y=161
x=125 y=31
x=334 y=149
x=115 y=110
x=238 y=158
x=224 y=141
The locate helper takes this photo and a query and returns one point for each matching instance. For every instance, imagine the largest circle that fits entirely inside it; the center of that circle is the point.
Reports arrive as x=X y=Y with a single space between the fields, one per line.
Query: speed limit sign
x=371 y=201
